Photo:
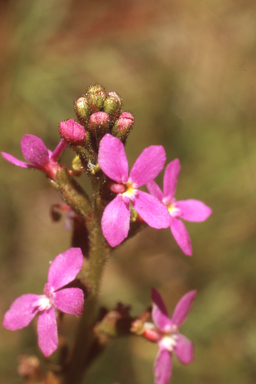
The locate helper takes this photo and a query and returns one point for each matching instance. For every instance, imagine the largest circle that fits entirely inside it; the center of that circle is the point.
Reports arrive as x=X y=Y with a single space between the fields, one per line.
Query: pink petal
x=182 y=308
x=34 y=150
x=152 y=211
x=58 y=150
x=163 y=367
x=115 y=222
x=112 y=159
x=47 y=331
x=70 y=300
x=21 y=312
x=184 y=350
x=181 y=236
x=154 y=190
x=65 y=267
x=193 y=210
x=148 y=165
x=171 y=177
x=15 y=161
x=159 y=311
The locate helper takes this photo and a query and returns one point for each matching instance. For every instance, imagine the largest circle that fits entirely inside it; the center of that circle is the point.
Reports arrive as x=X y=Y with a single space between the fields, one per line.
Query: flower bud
x=82 y=110
x=99 y=123
x=95 y=102
x=97 y=89
x=123 y=126
x=72 y=132
x=112 y=105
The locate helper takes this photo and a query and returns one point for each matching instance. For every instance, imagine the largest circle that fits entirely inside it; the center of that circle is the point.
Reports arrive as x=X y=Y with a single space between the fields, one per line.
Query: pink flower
x=190 y=210
x=165 y=333
x=116 y=216
x=62 y=271
x=35 y=151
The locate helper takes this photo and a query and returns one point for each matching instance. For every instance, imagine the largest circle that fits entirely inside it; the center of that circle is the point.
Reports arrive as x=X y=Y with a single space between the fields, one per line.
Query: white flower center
x=131 y=191
x=169 y=341
x=45 y=303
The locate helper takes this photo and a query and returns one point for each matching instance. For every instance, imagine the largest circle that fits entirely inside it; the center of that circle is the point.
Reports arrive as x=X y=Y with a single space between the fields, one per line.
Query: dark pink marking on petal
x=154 y=190
x=34 y=150
x=148 y=165
x=152 y=211
x=112 y=158
x=21 y=312
x=171 y=177
x=182 y=308
x=181 y=236
x=159 y=312
x=163 y=367
x=115 y=222
x=70 y=300
x=15 y=161
x=47 y=331
x=184 y=350
x=193 y=210
x=65 y=267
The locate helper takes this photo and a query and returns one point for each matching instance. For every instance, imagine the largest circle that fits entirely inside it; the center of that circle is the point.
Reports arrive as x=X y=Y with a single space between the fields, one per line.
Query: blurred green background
x=187 y=71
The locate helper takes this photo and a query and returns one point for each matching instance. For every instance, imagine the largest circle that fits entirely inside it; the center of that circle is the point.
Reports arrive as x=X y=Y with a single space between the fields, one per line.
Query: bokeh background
x=187 y=71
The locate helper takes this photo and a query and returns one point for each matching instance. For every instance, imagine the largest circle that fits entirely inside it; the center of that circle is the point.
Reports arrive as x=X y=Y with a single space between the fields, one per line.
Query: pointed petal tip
x=183 y=307
x=13 y=160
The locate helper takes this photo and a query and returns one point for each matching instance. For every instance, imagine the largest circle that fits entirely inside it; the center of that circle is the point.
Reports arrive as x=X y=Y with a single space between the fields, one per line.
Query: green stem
x=97 y=259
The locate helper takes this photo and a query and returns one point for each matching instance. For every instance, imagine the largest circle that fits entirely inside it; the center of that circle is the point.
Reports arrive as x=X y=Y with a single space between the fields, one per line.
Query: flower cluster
x=99 y=142
x=157 y=209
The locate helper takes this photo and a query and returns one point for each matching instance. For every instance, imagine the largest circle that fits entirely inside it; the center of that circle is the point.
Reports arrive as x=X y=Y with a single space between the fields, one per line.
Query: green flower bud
x=97 y=89
x=95 y=101
x=112 y=105
x=82 y=110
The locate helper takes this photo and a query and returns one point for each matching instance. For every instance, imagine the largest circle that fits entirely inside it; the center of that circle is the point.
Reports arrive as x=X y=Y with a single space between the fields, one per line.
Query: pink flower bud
x=125 y=122
x=72 y=132
x=123 y=126
x=99 y=121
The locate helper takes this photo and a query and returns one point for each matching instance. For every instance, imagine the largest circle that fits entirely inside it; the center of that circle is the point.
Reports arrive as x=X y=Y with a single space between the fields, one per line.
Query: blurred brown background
x=187 y=71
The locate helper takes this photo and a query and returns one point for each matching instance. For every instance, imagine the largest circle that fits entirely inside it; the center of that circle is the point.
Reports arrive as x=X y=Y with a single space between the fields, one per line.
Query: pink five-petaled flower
x=165 y=333
x=190 y=210
x=35 y=151
x=116 y=216
x=62 y=271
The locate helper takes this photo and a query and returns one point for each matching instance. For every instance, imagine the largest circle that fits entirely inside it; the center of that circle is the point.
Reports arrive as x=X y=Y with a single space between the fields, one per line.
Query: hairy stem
x=98 y=253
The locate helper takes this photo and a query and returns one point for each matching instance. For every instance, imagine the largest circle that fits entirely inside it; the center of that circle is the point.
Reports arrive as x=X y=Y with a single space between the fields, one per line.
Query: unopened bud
x=95 y=102
x=97 y=89
x=99 y=123
x=82 y=109
x=112 y=105
x=123 y=126
x=72 y=132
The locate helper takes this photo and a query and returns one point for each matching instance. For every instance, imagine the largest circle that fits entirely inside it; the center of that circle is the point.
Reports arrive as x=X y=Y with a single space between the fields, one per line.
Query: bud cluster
x=99 y=113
